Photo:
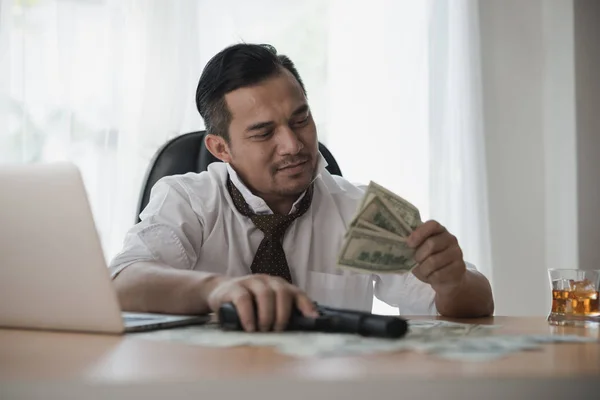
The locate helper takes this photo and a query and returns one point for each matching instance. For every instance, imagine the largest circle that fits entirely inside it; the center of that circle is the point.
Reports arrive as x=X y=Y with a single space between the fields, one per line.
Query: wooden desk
x=71 y=365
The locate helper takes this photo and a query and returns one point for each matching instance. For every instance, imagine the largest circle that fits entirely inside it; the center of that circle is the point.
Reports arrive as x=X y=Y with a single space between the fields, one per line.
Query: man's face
x=273 y=138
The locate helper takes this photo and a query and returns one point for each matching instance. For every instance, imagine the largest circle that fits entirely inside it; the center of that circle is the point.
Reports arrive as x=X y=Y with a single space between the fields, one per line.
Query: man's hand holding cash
x=387 y=236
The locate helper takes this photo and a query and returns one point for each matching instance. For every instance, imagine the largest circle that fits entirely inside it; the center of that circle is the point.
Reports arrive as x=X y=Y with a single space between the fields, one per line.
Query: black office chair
x=187 y=153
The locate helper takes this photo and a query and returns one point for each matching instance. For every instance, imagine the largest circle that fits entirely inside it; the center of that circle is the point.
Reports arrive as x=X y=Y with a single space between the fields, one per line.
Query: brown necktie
x=270 y=257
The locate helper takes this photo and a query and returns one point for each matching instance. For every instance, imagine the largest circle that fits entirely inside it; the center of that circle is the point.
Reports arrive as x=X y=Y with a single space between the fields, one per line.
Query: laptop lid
x=53 y=274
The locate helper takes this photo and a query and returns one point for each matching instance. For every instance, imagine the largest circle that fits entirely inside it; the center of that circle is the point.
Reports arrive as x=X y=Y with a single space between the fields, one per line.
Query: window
x=104 y=83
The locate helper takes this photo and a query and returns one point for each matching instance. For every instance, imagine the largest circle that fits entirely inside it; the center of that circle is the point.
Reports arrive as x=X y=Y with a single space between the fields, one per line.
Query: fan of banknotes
x=376 y=238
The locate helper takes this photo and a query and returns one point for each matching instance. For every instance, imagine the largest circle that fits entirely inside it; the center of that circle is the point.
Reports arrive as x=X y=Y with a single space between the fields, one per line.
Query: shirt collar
x=257 y=204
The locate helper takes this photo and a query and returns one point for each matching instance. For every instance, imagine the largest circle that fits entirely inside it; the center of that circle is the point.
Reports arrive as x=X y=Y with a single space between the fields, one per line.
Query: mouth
x=294 y=168
x=296 y=164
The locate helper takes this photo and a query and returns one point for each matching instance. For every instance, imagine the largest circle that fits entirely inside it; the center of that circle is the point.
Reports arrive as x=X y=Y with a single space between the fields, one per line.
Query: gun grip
x=228 y=318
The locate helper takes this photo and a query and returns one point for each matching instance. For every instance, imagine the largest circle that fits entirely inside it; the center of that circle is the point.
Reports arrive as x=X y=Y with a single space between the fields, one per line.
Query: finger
x=284 y=298
x=448 y=274
x=439 y=260
x=305 y=305
x=434 y=244
x=265 y=302
x=419 y=235
x=418 y=273
x=244 y=304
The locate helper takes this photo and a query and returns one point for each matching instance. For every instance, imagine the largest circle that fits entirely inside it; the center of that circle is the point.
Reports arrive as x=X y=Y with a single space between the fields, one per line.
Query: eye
x=263 y=135
x=301 y=122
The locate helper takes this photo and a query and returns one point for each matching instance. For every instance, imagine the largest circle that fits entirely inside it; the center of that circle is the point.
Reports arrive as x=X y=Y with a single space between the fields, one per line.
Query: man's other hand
x=439 y=256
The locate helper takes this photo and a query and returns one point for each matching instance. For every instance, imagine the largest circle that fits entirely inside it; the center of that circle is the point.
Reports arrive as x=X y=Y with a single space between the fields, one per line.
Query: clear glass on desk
x=575 y=300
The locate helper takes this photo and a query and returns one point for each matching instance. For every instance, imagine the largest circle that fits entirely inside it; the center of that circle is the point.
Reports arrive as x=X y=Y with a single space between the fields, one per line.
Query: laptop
x=53 y=274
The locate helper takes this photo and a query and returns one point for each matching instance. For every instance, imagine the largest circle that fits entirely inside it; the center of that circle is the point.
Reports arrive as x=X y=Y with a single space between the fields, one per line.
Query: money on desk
x=376 y=238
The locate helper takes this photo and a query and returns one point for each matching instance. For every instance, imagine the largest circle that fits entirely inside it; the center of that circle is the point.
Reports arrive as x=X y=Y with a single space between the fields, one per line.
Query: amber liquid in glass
x=584 y=303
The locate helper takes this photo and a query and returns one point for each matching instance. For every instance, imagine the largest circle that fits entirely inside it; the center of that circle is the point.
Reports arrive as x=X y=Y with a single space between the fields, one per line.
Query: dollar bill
x=372 y=227
x=376 y=239
x=403 y=209
x=446 y=340
x=378 y=212
x=376 y=252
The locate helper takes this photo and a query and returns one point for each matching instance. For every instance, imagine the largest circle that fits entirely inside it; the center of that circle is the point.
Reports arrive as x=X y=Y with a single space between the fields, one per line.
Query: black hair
x=237 y=66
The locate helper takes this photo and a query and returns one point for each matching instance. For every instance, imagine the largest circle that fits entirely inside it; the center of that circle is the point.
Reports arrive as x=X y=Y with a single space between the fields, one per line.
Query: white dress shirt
x=191 y=223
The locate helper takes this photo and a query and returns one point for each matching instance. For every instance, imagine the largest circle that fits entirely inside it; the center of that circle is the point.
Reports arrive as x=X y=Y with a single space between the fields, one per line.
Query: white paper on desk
x=449 y=340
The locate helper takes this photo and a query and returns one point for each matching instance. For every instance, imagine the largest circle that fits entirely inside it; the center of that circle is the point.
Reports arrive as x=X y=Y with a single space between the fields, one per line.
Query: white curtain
x=394 y=87
x=102 y=84
x=457 y=179
x=405 y=109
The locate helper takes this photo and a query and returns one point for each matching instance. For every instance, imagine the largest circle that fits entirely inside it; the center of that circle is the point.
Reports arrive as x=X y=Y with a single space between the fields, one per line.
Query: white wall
x=530 y=147
x=560 y=155
x=587 y=68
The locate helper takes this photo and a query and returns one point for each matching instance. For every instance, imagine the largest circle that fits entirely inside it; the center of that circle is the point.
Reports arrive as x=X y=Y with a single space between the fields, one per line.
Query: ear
x=218 y=147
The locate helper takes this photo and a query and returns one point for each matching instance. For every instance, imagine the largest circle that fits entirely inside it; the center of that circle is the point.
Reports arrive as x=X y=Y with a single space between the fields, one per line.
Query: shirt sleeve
x=409 y=294
x=170 y=231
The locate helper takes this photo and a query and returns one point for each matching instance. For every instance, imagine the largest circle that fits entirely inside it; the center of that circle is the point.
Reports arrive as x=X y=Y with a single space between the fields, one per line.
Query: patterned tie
x=270 y=257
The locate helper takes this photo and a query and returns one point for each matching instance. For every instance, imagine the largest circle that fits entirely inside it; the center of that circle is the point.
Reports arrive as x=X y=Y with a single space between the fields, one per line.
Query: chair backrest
x=187 y=153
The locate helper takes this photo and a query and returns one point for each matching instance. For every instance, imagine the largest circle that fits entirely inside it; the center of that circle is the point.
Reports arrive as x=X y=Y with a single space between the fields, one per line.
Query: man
x=265 y=226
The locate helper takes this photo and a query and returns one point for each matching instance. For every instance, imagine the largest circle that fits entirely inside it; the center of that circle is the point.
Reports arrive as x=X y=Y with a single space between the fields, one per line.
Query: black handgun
x=332 y=320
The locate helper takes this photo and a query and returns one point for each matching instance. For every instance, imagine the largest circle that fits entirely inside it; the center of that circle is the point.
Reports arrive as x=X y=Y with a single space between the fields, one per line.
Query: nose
x=288 y=142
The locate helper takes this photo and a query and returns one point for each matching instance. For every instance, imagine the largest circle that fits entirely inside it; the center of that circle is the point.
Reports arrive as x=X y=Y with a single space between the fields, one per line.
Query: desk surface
x=35 y=356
